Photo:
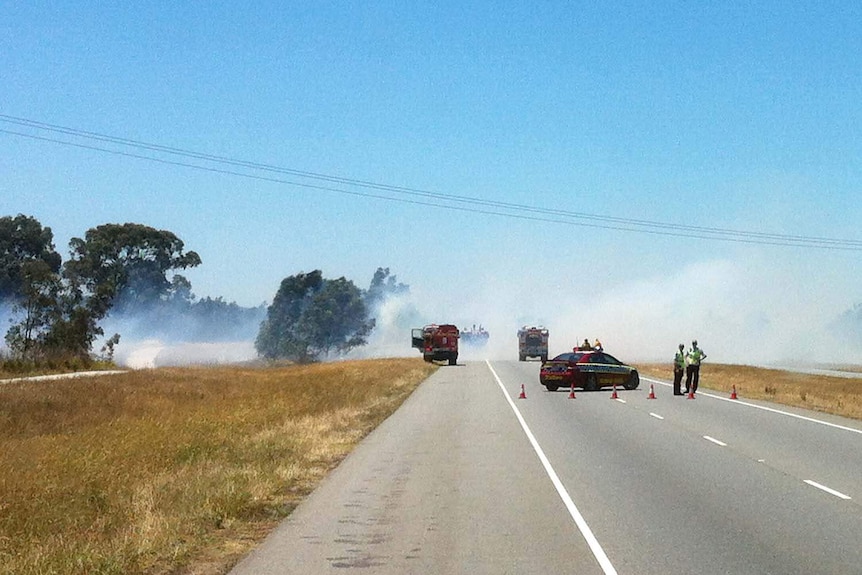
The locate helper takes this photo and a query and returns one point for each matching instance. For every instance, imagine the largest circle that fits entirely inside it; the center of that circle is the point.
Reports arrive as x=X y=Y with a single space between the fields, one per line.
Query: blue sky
x=742 y=116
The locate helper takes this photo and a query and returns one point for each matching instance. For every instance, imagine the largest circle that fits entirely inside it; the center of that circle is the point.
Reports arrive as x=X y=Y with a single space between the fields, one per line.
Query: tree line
x=58 y=307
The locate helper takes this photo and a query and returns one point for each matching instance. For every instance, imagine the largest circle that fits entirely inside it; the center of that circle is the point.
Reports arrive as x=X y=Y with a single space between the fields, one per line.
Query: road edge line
x=592 y=542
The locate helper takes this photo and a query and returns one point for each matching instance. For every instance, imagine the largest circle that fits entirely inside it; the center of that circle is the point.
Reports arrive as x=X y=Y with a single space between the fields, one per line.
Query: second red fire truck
x=533 y=342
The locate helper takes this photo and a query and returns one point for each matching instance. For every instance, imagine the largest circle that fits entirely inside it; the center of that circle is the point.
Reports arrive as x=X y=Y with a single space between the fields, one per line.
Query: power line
x=411 y=195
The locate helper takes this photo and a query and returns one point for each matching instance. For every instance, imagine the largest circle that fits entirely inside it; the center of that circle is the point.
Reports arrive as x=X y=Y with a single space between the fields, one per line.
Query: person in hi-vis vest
x=694 y=357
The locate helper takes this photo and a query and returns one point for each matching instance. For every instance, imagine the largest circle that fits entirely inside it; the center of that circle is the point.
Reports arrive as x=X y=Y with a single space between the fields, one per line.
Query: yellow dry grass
x=828 y=394
x=177 y=470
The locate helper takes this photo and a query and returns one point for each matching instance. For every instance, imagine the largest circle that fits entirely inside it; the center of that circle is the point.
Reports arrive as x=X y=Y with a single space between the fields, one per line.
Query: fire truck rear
x=437 y=342
x=533 y=342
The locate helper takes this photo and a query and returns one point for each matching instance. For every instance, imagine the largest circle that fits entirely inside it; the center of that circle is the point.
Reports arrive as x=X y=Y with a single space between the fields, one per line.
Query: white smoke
x=6 y=318
x=739 y=311
x=395 y=316
x=171 y=337
x=154 y=353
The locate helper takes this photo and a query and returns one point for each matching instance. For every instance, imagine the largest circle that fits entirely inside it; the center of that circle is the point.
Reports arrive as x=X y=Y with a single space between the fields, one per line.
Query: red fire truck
x=533 y=342
x=437 y=342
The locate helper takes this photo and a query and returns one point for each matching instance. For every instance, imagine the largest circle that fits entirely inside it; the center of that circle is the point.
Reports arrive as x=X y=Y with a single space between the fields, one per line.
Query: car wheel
x=453 y=359
x=592 y=382
x=634 y=381
x=522 y=358
x=552 y=387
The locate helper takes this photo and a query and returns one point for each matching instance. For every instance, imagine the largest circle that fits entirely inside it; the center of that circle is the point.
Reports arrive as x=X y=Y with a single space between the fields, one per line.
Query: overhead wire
x=410 y=195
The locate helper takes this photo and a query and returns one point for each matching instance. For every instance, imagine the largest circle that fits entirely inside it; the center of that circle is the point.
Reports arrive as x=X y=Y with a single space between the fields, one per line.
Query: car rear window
x=569 y=357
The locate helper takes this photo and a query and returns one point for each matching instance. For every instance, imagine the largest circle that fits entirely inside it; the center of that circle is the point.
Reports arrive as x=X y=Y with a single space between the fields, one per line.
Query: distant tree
x=115 y=264
x=383 y=285
x=337 y=319
x=281 y=333
x=75 y=325
x=127 y=264
x=58 y=322
x=23 y=240
x=214 y=319
x=37 y=303
x=207 y=319
x=311 y=317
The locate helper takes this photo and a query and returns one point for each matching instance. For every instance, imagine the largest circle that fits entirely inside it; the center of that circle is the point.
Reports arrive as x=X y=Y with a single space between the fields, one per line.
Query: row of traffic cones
x=615 y=395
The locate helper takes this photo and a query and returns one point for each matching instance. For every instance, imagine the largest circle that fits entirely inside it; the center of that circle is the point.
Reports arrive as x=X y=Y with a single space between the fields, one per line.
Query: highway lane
x=448 y=484
x=662 y=498
x=451 y=484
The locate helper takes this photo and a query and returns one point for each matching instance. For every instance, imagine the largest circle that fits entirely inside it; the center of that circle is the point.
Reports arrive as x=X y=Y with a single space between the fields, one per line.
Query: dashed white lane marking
x=769 y=409
x=827 y=489
x=656 y=415
x=595 y=546
x=779 y=412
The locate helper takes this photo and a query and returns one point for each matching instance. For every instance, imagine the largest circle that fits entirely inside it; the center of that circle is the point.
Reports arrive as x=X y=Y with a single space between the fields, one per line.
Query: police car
x=589 y=370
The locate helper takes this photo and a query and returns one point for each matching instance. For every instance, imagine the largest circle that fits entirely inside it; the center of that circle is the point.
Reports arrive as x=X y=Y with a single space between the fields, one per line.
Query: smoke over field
x=739 y=312
x=154 y=353
x=207 y=332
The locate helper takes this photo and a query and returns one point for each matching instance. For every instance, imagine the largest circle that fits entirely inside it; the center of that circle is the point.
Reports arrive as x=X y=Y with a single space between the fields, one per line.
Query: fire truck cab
x=533 y=342
x=437 y=342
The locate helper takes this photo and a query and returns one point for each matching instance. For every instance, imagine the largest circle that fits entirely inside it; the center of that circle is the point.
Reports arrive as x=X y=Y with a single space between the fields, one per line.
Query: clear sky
x=728 y=115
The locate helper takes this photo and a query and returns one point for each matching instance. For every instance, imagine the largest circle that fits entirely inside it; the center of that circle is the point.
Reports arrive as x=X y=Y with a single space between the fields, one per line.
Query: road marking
x=656 y=415
x=770 y=409
x=63 y=376
x=715 y=441
x=593 y=543
x=827 y=489
x=621 y=400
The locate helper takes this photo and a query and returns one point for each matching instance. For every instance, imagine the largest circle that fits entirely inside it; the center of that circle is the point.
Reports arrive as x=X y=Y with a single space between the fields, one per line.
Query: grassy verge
x=175 y=470
x=835 y=395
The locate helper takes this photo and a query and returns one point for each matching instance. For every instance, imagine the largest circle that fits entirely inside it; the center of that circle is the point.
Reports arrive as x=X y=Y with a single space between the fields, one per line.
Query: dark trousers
x=692 y=376
x=677 y=380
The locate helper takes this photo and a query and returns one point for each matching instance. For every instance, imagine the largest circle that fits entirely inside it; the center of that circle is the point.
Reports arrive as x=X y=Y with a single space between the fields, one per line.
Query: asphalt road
x=468 y=478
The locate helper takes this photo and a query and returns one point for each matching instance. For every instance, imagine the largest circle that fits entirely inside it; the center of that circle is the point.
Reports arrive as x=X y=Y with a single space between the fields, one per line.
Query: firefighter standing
x=694 y=356
x=678 y=369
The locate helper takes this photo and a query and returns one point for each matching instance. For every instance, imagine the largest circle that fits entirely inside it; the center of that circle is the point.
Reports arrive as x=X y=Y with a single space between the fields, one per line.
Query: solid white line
x=827 y=489
x=656 y=415
x=595 y=547
x=764 y=408
x=715 y=441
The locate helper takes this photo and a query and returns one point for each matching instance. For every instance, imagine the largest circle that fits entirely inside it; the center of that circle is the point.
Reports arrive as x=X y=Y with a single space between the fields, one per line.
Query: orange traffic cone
x=733 y=393
x=523 y=394
x=572 y=393
x=614 y=394
x=651 y=392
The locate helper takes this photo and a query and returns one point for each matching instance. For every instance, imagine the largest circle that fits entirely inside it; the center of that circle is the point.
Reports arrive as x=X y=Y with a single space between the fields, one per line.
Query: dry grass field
x=175 y=470
x=829 y=394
